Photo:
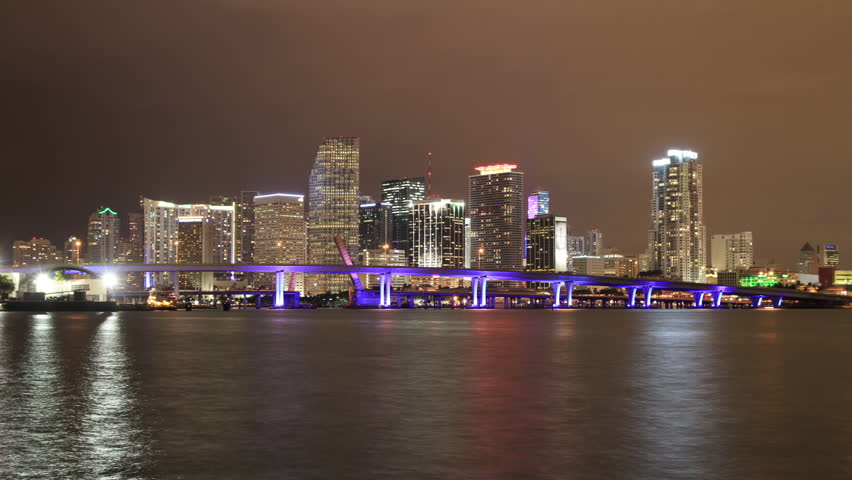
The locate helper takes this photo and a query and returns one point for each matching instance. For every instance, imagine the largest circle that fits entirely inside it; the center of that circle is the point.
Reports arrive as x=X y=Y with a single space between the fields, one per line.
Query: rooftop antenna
x=429 y=175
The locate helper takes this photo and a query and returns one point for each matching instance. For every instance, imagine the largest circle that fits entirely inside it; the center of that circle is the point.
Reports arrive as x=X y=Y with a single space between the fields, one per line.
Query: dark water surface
x=427 y=394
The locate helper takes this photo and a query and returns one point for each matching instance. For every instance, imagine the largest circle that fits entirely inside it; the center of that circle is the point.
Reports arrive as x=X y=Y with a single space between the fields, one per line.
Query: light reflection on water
x=426 y=394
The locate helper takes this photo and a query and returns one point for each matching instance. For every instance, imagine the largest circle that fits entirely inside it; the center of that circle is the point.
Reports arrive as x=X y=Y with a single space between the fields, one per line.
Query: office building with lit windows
x=677 y=237
x=547 y=245
x=280 y=235
x=594 y=242
x=333 y=209
x=830 y=256
x=374 y=224
x=401 y=195
x=245 y=227
x=103 y=236
x=72 y=251
x=538 y=203
x=497 y=218
x=731 y=252
x=436 y=234
x=195 y=246
x=34 y=252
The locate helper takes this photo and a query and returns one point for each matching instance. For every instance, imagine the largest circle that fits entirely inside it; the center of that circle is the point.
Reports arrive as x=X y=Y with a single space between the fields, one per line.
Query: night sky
x=105 y=100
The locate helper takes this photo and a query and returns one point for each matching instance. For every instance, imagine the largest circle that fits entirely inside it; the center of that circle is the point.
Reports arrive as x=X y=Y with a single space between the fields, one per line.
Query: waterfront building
x=547 y=245
x=161 y=233
x=830 y=256
x=436 y=234
x=401 y=195
x=732 y=251
x=333 y=209
x=384 y=257
x=280 y=235
x=594 y=242
x=538 y=203
x=374 y=225
x=677 y=237
x=497 y=219
x=131 y=247
x=617 y=265
x=103 y=236
x=34 y=252
x=194 y=246
x=808 y=260
x=592 y=265
x=245 y=227
x=466 y=242
x=71 y=251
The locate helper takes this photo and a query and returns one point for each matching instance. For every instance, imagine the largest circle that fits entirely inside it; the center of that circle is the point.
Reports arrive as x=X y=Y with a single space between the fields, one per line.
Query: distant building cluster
x=498 y=226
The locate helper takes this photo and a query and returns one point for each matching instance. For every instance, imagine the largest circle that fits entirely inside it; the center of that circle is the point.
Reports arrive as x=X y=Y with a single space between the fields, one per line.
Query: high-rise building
x=333 y=209
x=677 y=237
x=401 y=195
x=594 y=242
x=72 y=251
x=547 y=245
x=103 y=236
x=436 y=234
x=589 y=265
x=497 y=220
x=730 y=252
x=830 y=256
x=617 y=265
x=808 y=260
x=384 y=257
x=466 y=242
x=245 y=226
x=374 y=225
x=576 y=245
x=161 y=232
x=538 y=203
x=280 y=234
x=194 y=245
x=31 y=253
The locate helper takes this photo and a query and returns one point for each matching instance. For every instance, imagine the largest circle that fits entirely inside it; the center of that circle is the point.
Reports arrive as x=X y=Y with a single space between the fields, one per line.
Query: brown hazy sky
x=180 y=99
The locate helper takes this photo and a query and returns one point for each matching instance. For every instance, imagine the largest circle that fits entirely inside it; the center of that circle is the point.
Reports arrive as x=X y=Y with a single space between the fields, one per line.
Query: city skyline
x=582 y=112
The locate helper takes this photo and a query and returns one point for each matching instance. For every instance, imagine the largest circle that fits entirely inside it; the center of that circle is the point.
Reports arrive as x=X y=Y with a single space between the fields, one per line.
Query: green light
x=760 y=280
x=107 y=209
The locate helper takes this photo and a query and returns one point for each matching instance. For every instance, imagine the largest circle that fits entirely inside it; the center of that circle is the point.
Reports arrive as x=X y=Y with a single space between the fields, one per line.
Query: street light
x=479 y=261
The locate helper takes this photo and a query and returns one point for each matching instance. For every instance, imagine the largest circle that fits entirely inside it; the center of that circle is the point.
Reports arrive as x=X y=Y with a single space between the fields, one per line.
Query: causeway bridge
x=639 y=291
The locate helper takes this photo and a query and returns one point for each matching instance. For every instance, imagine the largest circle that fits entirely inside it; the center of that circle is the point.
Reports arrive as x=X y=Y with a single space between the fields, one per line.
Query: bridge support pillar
x=778 y=302
x=388 y=289
x=699 y=299
x=259 y=300
x=557 y=289
x=474 y=284
x=717 y=298
x=756 y=301
x=569 y=294
x=483 y=298
x=648 y=292
x=279 y=290
x=631 y=297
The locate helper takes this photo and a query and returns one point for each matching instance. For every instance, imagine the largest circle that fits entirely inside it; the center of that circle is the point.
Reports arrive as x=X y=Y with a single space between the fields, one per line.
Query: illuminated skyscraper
x=497 y=221
x=374 y=225
x=830 y=256
x=103 y=237
x=401 y=195
x=195 y=246
x=808 y=260
x=677 y=237
x=333 y=209
x=280 y=234
x=547 y=247
x=245 y=227
x=538 y=204
x=594 y=242
x=731 y=252
x=437 y=234
x=161 y=232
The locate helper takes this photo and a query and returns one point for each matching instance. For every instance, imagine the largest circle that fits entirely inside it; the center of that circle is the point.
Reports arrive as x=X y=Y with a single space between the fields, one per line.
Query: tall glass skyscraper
x=677 y=237
x=401 y=195
x=496 y=210
x=437 y=234
x=333 y=209
x=538 y=203
x=245 y=227
x=279 y=234
x=103 y=236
